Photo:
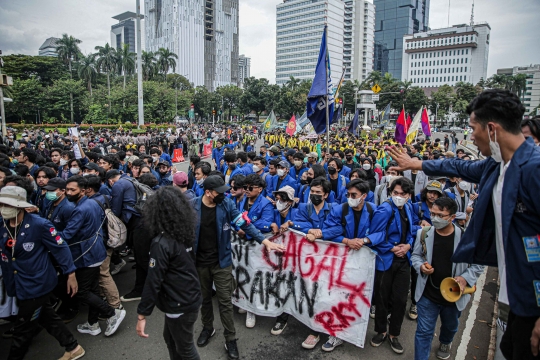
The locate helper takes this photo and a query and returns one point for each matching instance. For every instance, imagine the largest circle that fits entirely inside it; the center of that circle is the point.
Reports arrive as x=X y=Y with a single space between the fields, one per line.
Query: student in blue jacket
x=32 y=277
x=284 y=212
x=504 y=230
x=281 y=179
x=309 y=219
x=212 y=247
x=303 y=191
x=230 y=166
x=392 y=233
x=339 y=182
x=349 y=223
x=362 y=175
x=237 y=193
x=259 y=209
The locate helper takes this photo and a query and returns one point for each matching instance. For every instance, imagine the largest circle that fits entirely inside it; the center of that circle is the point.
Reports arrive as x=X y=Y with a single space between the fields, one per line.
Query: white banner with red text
x=325 y=285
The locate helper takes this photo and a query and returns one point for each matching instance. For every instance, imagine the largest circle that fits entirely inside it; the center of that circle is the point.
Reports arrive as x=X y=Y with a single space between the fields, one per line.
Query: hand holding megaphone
x=453 y=288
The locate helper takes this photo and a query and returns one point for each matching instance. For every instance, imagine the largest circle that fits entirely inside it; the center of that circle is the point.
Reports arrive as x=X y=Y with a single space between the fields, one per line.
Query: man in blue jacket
x=214 y=258
x=217 y=153
x=392 y=234
x=281 y=179
x=58 y=209
x=259 y=209
x=230 y=166
x=26 y=243
x=504 y=230
x=84 y=235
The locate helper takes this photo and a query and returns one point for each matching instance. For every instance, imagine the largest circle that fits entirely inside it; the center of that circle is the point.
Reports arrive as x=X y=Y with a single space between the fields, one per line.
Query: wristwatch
x=363 y=241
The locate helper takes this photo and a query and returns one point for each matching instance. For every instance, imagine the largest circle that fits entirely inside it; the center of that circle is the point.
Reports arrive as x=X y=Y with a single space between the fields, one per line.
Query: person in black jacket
x=172 y=283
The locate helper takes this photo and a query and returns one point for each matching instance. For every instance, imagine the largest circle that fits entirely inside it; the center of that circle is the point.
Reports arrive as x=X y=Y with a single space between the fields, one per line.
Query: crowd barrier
x=178 y=156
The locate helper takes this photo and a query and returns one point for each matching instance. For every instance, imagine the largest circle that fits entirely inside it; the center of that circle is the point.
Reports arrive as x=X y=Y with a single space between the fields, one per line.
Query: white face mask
x=464 y=186
x=389 y=178
x=366 y=167
x=9 y=212
x=353 y=202
x=282 y=205
x=63 y=162
x=439 y=223
x=200 y=182
x=281 y=172
x=297 y=163
x=256 y=168
x=399 y=201
x=495 y=149
x=74 y=170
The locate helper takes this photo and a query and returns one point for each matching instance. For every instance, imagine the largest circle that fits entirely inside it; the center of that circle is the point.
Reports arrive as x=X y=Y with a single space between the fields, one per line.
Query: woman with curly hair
x=172 y=283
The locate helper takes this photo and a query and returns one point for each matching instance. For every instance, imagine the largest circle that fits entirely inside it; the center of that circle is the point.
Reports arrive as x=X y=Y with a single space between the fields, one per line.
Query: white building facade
x=244 y=68
x=204 y=35
x=446 y=56
x=358 y=39
x=299 y=28
x=531 y=97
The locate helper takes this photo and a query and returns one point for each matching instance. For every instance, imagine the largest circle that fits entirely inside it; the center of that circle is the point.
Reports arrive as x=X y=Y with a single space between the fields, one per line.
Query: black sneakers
x=205 y=336
x=378 y=340
x=396 y=346
x=278 y=328
x=232 y=350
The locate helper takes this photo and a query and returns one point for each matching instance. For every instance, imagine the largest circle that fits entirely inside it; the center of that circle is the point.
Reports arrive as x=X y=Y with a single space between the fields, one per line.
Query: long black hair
x=170 y=213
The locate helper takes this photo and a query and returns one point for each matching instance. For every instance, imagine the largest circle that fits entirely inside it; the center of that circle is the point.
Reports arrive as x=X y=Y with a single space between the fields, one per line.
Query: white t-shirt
x=497 y=207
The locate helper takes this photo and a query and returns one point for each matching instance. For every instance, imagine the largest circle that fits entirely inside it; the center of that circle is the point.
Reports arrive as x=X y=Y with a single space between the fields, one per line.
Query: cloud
x=26 y=24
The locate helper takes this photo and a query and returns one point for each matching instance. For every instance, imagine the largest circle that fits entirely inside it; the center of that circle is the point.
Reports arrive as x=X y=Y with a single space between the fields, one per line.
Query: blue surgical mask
x=51 y=195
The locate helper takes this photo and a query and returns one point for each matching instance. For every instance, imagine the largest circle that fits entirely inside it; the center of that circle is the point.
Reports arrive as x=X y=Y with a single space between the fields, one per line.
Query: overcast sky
x=26 y=24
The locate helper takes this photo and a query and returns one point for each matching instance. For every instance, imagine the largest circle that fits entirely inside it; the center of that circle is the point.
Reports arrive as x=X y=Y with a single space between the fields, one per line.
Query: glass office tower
x=393 y=20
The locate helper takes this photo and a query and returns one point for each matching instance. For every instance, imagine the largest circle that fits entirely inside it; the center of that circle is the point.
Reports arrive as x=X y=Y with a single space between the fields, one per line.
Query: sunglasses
x=236 y=188
x=250 y=188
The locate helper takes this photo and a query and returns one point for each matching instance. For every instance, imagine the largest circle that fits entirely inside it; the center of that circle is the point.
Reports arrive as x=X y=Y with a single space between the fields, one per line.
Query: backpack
x=116 y=230
x=345 y=212
x=381 y=189
x=310 y=208
x=143 y=192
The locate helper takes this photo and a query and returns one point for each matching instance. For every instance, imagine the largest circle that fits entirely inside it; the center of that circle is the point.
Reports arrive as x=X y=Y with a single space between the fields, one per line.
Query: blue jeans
x=454 y=148
x=428 y=311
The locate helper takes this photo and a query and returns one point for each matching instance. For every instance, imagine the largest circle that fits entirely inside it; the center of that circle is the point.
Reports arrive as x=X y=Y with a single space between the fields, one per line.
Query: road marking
x=461 y=352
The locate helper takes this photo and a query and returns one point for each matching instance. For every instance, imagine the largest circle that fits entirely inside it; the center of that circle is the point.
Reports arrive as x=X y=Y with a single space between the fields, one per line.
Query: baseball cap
x=55 y=183
x=162 y=162
x=274 y=149
x=291 y=152
x=132 y=158
x=313 y=155
x=286 y=190
x=284 y=164
x=434 y=185
x=92 y=166
x=180 y=178
x=216 y=183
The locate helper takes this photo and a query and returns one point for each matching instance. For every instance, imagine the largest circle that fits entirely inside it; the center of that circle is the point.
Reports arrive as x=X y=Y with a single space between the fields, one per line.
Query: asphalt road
x=471 y=342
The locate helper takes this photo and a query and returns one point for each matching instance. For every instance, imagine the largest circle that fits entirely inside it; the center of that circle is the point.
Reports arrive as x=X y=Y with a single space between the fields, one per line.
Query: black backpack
x=143 y=192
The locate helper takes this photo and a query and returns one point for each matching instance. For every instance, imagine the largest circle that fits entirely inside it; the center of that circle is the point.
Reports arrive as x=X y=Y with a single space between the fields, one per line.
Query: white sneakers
x=250 y=320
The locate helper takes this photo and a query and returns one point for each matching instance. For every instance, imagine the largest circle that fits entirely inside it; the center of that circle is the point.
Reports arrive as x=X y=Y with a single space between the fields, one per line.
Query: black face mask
x=425 y=158
x=332 y=170
x=309 y=179
x=219 y=198
x=232 y=167
x=303 y=182
x=73 y=198
x=316 y=199
x=349 y=158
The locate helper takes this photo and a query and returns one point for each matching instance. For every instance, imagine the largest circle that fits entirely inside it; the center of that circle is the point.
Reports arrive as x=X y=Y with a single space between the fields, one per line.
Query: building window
x=466 y=60
x=466 y=51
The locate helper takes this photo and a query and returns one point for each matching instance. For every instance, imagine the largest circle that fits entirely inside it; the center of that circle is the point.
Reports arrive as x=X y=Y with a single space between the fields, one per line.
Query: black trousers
x=178 y=335
x=88 y=280
x=141 y=250
x=393 y=286
x=516 y=341
x=32 y=314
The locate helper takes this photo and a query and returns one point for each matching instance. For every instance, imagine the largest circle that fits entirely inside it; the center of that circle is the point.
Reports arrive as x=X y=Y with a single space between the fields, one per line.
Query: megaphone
x=451 y=291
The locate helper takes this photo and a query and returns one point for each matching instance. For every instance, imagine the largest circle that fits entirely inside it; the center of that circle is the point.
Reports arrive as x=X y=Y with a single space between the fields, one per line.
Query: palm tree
x=148 y=64
x=107 y=62
x=126 y=61
x=68 y=51
x=87 y=69
x=292 y=83
x=166 y=61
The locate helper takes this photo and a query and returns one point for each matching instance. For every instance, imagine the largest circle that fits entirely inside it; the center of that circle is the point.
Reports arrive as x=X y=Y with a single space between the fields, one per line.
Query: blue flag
x=337 y=115
x=320 y=90
x=354 y=124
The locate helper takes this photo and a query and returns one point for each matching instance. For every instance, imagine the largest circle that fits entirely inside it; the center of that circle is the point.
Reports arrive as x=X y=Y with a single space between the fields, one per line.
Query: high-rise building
x=393 y=20
x=446 y=56
x=358 y=39
x=244 y=68
x=125 y=32
x=299 y=27
x=531 y=97
x=49 y=47
x=204 y=35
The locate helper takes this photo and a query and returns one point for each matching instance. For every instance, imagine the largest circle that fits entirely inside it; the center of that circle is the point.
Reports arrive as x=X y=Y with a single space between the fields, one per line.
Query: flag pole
x=326 y=63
